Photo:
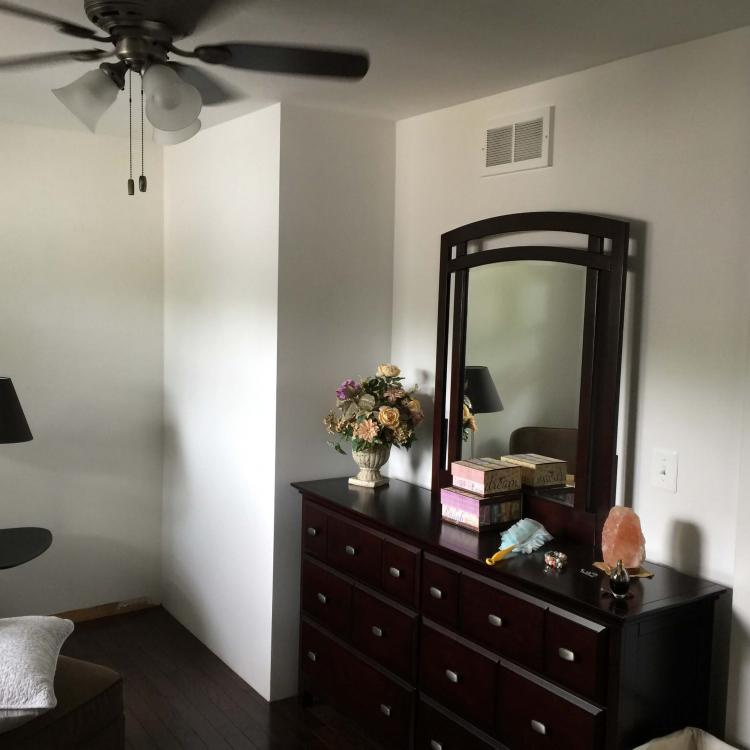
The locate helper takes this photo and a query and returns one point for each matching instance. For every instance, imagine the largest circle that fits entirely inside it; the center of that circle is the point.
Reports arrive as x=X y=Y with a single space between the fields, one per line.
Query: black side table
x=18 y=546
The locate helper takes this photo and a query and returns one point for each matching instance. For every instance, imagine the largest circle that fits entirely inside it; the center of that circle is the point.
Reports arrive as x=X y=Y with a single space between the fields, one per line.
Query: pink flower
x=366 y=430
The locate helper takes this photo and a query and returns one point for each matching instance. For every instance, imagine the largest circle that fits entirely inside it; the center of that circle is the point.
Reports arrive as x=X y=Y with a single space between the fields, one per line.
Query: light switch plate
x=664 y=470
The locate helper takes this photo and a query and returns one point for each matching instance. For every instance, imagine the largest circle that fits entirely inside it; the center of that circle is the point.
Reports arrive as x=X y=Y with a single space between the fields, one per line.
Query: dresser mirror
x=528 y=352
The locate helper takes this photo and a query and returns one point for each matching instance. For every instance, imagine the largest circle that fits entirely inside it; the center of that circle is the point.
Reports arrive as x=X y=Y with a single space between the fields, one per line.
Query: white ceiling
x=425 y=54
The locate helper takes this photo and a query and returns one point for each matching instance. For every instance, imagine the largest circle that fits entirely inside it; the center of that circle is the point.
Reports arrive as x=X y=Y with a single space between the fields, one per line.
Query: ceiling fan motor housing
x=160 y=20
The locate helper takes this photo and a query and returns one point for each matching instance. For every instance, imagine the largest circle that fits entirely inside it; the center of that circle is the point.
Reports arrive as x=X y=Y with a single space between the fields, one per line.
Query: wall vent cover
x=517 y=142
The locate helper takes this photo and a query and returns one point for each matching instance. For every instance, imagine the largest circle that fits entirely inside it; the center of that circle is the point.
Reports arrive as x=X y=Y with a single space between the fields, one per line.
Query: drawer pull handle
x=395 y=572
x=566 y=654
x=436 y=593
x=350 y=550
x=312 y=531
x=312 y=656
x=376 y=631
x=495 y=620
x=538 y=727
x=322 y=598
x=451 y=675
x=435 y=745
x=386 y=710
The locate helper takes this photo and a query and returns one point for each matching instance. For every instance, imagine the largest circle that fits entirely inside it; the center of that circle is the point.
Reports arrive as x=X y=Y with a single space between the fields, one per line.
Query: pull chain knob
x=131 y=186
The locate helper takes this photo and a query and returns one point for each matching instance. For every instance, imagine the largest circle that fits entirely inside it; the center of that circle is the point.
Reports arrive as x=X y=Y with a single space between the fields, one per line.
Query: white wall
x=221 y=219
x=660 y=139
x=80 y=301
x=335 y=298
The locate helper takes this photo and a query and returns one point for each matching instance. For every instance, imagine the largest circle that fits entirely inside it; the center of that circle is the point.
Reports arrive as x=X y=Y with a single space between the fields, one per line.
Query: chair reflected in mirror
x=555 y=442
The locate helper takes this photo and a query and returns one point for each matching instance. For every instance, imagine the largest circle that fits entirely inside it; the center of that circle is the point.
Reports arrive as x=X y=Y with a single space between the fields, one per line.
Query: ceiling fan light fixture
x=89 y=97
x=172 y=137
x=171 y=104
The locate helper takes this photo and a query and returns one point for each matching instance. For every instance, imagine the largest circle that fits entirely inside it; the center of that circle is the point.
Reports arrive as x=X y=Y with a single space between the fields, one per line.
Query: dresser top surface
x=408 y=512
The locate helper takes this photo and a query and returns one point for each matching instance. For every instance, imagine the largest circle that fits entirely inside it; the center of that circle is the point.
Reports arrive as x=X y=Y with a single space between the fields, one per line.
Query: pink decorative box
x=480 y=513
x=486 y=476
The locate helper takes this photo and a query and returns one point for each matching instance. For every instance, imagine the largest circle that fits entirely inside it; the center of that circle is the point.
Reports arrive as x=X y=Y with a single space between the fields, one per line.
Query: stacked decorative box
x=485 y=494
x=539 y=471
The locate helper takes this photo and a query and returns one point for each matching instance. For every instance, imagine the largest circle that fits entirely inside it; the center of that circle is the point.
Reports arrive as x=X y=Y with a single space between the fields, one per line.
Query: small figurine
x=619 y=581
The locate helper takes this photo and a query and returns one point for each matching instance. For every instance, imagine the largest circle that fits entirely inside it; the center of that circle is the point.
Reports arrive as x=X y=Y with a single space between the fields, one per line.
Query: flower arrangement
x=469 y=423
x=375 y=411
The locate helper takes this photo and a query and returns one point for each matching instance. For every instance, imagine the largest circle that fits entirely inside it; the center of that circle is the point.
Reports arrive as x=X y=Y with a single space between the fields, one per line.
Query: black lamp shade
x=480 y=390
x=13 y=425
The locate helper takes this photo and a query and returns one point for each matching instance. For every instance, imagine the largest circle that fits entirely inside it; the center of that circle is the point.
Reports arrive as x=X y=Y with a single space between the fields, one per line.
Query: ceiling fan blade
x=48 y=58
x=63 y=26
x=277 y=58
x=212 y=89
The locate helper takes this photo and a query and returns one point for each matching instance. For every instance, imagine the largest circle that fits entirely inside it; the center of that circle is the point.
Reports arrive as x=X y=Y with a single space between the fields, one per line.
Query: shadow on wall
x=741 y=653
x=687 y=556
x=686 y=547
x=632 y=354
x=421 y=451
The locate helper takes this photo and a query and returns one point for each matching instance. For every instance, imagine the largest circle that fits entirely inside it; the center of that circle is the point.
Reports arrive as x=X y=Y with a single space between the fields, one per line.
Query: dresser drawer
x=400 y=575
x=355 y=550
x=532 y=717
x=436 y=731
x=576 y=653
x=440 y=592
x=317 y=658
x=383 y=705
x=314 y=522
x=503 y=622
x=385 y=633
x=327 y=598
x=461 y=676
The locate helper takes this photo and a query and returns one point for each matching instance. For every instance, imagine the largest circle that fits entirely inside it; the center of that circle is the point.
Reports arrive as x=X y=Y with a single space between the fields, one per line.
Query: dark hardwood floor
x=178 y=694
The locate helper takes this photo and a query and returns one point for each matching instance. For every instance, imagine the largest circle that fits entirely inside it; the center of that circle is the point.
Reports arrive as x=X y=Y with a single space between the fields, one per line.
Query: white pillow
x=29 y=647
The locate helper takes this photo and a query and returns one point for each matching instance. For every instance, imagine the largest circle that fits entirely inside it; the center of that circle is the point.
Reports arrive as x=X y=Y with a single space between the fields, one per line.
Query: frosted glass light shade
x=171 y=104
x=171 y=137
x=89 y=97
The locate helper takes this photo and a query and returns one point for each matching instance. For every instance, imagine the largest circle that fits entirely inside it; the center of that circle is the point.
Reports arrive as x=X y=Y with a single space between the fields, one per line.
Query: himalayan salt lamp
x=622 y=538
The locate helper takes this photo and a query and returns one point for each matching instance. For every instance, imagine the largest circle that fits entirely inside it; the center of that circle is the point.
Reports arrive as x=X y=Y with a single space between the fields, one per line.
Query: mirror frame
x=596 y=471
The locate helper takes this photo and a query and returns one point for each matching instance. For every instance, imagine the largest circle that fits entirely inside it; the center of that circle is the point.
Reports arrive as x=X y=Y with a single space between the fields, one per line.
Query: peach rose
x=388 y=371
x=414 y=406
x=389 y=416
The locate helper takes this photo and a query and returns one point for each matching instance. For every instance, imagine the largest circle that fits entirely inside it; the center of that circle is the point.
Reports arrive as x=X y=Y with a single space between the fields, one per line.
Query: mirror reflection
x=524 y=343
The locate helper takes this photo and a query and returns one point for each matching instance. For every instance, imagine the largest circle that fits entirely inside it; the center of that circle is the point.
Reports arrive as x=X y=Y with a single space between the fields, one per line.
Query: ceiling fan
x=142 y=35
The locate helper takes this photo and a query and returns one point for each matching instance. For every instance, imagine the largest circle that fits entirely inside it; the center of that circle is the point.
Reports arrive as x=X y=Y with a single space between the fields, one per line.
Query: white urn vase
x=369 y=461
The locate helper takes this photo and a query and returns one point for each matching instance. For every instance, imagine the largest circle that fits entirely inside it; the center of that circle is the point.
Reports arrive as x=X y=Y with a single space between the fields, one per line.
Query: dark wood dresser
x=405 y=627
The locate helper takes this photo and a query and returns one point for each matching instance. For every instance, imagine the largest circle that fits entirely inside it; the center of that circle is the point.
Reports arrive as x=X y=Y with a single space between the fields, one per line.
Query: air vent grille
x=499 y=146
x=529 y=139
x=518 y=142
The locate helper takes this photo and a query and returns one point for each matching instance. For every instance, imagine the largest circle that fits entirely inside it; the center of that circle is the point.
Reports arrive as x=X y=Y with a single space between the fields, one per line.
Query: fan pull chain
x=142 y=182
x=131 y=183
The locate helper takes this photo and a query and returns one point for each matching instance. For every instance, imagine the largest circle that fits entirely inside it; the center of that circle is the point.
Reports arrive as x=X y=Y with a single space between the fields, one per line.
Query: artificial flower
x=388 y=371
x=389 y=416
x=393 y=394
x=347 y=389
x=376 y=410
x=366 y=430
x=414 y=406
